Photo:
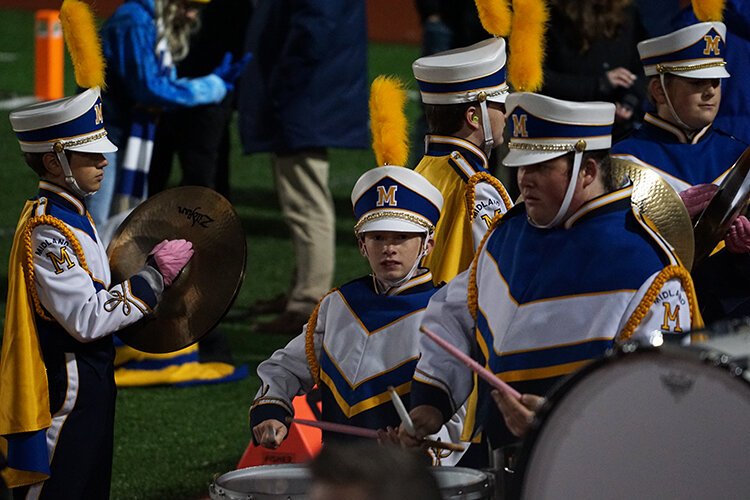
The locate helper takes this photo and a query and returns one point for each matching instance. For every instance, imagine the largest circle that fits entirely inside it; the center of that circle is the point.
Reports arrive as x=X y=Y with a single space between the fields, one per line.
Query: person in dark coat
x=591 y=56
x=304 y=91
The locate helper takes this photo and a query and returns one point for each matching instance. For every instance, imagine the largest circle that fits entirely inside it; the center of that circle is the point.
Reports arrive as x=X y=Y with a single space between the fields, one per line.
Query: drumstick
x=367 y=433
x=480 y=370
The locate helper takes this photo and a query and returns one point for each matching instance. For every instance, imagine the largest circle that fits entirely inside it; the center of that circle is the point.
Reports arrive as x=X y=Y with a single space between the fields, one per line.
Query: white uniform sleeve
x=286 y=373
x=448 y=315
x=487 y=204
x=670 y=312
x=67 y=292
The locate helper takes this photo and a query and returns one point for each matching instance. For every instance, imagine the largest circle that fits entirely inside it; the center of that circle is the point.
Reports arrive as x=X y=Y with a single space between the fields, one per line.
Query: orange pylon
x=301 y=444
x=49 y=55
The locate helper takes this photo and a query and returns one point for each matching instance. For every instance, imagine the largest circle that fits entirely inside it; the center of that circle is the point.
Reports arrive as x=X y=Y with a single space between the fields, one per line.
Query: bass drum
x=643 y=423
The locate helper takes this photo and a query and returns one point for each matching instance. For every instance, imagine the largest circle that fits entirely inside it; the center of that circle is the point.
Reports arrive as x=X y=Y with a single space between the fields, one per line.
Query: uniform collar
x=61 y=196
x=605 y=202
x=443 y=145
x=674 y=132
x=414 y=285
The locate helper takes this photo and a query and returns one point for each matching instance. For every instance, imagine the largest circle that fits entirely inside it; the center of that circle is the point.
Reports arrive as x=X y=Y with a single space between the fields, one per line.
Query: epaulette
x=471 y=187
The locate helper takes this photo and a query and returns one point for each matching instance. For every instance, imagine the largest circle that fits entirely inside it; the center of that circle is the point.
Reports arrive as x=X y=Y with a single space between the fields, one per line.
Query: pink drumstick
x=480 y=370
x=367 y=433
x=340 y=428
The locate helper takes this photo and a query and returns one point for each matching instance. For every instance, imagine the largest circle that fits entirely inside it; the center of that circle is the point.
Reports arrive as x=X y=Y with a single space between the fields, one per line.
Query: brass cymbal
x=728 y=201
x=206 y=288
x=661 y=204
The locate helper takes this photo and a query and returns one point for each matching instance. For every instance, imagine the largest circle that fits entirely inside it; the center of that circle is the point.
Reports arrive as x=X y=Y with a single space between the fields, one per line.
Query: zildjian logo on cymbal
x=196 y=216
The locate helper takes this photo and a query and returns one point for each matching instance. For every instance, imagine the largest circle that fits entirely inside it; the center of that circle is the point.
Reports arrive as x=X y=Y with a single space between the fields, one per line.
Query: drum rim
x=233 y=474
x=562 y=388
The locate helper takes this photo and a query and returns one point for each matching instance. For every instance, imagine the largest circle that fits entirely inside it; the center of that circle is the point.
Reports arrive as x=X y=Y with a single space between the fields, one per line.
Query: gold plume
x=527 y=33
x=708 y=10
x=390 y=140
x=82 y=41
x=494 y=16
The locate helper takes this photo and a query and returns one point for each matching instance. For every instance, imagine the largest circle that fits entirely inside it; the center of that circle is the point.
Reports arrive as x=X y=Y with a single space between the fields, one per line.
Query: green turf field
x=170 y=442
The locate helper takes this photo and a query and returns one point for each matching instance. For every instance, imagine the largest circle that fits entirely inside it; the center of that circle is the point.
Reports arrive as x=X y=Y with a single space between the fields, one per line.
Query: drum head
x=650 y=424
x=463 y=483
x=264 y=482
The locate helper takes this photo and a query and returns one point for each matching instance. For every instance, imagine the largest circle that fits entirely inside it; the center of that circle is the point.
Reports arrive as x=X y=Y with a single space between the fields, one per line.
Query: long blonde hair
x=175 y=26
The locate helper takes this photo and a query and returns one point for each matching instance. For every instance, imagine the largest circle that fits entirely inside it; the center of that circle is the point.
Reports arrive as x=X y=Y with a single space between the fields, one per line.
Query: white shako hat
x=393 y=198
x=544 y=128
x=463 y=75
x=696 y=51
x=72 y=123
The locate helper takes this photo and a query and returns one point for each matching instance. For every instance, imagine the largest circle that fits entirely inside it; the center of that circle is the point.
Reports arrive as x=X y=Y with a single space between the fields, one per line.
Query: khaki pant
x=307 y=206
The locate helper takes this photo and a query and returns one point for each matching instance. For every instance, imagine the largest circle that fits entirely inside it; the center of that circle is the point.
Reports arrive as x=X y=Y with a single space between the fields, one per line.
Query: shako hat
x=695 y=51
x=543 y=128
x=393 y=198
x=72 y=123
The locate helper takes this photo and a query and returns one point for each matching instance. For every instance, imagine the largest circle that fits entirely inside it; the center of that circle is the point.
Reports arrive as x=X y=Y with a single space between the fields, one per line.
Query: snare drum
x=263 y=482
x=463 y=483
x=652 y=423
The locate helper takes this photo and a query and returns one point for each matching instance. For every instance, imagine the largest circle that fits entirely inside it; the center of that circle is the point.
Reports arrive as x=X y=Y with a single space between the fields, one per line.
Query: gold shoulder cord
x=665 y=275
x=312 y=361
x=473 y=292
x=29 y=274
x=492 y=181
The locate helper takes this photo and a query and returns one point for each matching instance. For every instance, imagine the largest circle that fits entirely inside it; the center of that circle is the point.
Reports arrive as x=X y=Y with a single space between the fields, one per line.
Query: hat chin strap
x=383 y=286
x=69 y=179
x=672 y=111
x=489 y=142
x=568 y=195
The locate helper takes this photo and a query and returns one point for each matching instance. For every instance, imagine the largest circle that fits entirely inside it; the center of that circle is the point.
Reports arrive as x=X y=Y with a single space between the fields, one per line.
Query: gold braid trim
x=312 y=361
x=29 y=274
x=473 y=291
x=666 y=68
x=648 y=300
x=492 y=181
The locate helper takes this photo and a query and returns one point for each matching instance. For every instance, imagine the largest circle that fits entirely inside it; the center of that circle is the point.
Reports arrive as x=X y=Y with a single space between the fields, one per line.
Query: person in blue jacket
x=141 y=41
x=304 y=91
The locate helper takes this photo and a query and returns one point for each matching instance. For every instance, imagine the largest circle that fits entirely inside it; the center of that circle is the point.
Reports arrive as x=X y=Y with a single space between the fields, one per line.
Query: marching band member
x=362 y=337
x=559 y=278
x=57 y=389
x=463 y=91
x=680 y=143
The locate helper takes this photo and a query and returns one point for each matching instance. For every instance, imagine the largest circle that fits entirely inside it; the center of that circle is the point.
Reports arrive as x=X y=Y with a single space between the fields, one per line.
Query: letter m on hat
x=387 y=196
x=519 y=126
x=712 y=45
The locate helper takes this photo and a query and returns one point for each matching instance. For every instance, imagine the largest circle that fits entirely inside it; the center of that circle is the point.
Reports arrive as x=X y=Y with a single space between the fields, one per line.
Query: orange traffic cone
x=301 y=444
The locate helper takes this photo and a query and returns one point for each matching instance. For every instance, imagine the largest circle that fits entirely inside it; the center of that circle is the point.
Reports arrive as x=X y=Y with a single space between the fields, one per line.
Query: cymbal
x=661 y=204
x=206 y=288
x=730 y=199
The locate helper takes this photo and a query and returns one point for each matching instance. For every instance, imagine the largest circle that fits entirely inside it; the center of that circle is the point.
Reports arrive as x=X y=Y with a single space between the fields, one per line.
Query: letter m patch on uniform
x=62 y=261
x=387 y=196
x=671 y=317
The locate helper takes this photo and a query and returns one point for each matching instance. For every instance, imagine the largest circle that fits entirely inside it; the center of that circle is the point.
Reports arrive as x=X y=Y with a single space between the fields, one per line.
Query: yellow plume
x=708 y=10
x=83 y=43
x=390 y=141
x=526 y=43
x=494 y=16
